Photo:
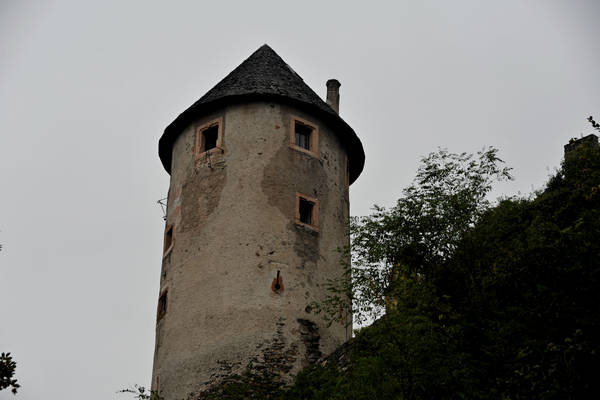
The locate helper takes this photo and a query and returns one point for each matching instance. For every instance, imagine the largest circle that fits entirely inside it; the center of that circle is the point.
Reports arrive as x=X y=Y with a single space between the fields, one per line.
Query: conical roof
x=264 y=76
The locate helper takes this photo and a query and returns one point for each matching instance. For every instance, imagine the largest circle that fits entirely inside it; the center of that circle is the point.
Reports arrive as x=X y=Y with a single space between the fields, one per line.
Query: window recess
x=307 y=211
x=209 y=137
x=304 y=136
x=162 y=305
x=168 y=240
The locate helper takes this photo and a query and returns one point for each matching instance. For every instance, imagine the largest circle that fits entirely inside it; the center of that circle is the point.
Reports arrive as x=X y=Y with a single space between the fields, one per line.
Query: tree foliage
x=483 y=301
x=526 y=277
x=418 y=235
x=7 y=372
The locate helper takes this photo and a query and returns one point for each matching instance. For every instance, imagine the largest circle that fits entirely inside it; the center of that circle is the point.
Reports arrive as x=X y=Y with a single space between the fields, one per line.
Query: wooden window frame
x=199 y=151
x=315 y=212
x=313 y=149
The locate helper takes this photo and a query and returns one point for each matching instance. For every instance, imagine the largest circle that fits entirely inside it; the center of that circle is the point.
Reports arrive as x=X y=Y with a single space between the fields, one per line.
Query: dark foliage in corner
x=7 y=373
x=527 y=278
x=512 y=312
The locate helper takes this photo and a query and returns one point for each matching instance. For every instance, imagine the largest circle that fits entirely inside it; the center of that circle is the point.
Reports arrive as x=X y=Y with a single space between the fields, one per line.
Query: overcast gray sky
x=86 y=89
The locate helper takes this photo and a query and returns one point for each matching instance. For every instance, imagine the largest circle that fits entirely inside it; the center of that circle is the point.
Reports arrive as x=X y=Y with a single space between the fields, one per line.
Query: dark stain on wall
x=306 y=245
x=289 y=172
x=201 y=193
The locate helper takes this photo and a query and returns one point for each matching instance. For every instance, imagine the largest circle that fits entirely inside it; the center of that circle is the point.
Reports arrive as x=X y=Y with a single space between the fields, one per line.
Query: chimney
x=333 y=94
x=589 y=140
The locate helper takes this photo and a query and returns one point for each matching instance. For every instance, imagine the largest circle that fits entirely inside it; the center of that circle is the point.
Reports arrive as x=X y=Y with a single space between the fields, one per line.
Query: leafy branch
x=141 y=393
x=595 y=125
x=417 y=236
x=7 y=372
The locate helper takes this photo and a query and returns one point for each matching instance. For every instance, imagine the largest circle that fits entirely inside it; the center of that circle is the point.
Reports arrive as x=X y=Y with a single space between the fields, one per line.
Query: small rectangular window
x=307 y=211
x=304 y=136
x=303 y=133
x=162 y=306
x=209 y=137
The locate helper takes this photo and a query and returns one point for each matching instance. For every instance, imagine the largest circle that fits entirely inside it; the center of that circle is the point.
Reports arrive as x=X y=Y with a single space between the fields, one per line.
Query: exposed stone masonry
x=310 y=336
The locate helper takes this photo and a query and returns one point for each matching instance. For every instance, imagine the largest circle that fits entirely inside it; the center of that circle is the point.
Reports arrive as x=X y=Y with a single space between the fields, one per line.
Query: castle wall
x=233 y=229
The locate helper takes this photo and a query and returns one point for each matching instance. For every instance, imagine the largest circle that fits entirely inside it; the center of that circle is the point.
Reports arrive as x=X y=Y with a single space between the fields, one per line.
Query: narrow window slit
x=162 y=306
x=277 y=285
x=168 y=239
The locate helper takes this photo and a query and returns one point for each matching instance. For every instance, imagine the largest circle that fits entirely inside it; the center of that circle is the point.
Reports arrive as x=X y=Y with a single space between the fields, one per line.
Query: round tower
x=257 y=209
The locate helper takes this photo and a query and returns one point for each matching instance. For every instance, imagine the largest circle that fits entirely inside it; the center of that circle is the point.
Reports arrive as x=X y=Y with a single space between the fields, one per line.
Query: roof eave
x=346 y=134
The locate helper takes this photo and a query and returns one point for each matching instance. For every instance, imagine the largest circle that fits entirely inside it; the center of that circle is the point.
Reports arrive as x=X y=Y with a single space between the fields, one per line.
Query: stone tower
x=257 y=208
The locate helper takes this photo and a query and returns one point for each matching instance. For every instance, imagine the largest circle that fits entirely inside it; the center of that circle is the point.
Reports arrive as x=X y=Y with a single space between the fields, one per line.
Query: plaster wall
x=233 y=229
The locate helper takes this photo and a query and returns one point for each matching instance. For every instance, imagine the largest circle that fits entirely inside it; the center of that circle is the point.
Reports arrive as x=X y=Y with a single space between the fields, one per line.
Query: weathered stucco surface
x=233 y=230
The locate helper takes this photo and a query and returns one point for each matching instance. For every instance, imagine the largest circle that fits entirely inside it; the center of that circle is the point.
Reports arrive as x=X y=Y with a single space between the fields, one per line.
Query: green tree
x=483 y=302
x=418 y=235
x=527 y=275
x=398 y=256
x=7 y=373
